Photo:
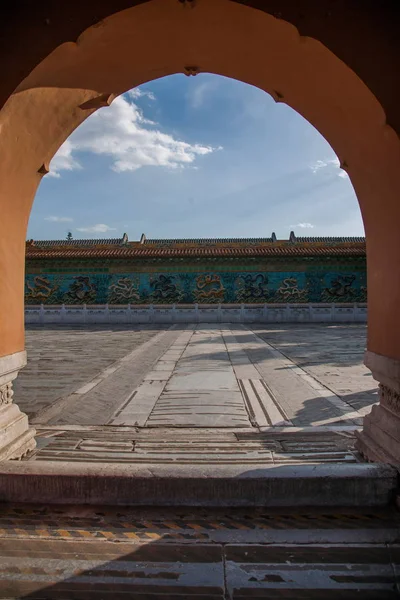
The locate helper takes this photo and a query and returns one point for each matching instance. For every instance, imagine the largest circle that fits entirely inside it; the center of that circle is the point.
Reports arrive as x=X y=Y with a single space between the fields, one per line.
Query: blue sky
x=202 y=156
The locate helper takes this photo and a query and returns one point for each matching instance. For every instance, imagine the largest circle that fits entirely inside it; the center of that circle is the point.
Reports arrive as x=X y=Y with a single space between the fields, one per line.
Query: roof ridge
x=78 y=242
x=293 y=239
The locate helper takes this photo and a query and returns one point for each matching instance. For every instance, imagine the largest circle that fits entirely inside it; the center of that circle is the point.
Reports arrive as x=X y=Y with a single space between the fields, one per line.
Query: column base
x=379 y=441
x=16 y=437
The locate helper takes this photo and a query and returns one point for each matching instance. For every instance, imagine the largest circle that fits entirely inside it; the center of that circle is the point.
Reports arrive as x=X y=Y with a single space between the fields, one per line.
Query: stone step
x=197 y=446
x=270 y=485
x=116 y=553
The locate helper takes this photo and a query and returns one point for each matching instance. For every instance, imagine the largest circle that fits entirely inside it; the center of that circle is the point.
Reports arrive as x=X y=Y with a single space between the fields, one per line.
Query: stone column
x=16 y=437
x=379 y=441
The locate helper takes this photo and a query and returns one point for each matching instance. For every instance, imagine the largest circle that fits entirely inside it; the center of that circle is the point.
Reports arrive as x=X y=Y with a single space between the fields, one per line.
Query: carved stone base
x=16 y=437
x=379 y=441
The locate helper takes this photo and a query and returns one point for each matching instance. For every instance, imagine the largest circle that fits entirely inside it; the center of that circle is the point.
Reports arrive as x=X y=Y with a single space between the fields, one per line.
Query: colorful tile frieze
x=196 y=287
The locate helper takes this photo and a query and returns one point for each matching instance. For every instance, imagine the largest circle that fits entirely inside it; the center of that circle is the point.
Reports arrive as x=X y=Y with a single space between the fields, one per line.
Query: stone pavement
x=62 y=359
x=85 y=553
x=196 y=379
x=331 y=354
x=193 y=385
x=204 y=416
x=196 y=376
x=228 y=376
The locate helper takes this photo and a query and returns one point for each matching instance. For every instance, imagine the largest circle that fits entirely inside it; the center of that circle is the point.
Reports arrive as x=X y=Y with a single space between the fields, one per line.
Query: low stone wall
x=197 y=313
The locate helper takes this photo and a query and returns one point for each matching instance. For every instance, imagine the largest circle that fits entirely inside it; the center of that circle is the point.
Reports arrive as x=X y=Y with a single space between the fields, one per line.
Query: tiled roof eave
x=148 y=252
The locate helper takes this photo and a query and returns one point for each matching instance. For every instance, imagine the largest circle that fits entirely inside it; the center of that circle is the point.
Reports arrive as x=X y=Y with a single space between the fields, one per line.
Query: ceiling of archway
x=363 y=35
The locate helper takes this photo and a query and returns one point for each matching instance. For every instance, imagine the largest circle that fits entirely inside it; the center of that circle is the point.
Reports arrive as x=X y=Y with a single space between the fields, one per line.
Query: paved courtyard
x=276 y=406
x=206 y=375
x=203 y=390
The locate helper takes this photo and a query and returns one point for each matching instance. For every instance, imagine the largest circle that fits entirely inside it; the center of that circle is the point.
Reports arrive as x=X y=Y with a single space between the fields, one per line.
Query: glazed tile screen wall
x=201 y=287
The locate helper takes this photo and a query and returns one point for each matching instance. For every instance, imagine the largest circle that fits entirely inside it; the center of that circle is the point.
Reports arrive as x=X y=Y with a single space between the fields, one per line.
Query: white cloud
x=304 y=225
x=63 y=160
x=138 y=93
x=55 y=219
x=121 y=132
x=328 y=163
x=99 y=228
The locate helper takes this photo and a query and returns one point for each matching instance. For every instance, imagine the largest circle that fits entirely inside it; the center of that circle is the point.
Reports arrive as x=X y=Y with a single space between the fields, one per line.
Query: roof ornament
x=273 y=236
x=191 y=70
x=142 y=238
x=292 y=237
x=44 y=169
x=191 y=3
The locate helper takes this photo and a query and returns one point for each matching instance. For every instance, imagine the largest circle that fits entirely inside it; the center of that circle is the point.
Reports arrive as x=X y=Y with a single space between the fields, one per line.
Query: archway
x=79 y=77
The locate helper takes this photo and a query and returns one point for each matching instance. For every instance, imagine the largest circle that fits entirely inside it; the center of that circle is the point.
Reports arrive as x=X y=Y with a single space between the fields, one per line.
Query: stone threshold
x=314 y=485
x=170 y=429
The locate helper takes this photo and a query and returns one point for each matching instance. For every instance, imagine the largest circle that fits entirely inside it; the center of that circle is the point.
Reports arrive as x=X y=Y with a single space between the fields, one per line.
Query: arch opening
x=254 y=47
x=206 y=262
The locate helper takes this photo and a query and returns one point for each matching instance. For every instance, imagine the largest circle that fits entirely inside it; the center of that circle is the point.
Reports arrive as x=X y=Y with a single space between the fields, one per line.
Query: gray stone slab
x=199 y=419
x=302 y=402
x=199 y=408
x=332 y=354
x=203 y=380
x=246 y=371
x=137 y=411
x=165 y=365
x=103 y=570
x=158 y=375
x=262 y=405
x=309 y=571
x=62 y=359
x=204 y=365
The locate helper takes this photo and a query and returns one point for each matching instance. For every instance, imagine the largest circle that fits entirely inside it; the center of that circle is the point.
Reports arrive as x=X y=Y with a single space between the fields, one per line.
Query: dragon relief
x=209 y=289
x=252 y=288
x=124 y=291
x=289 y=292
x=341 y=290
x=81 y=291
x=41 y=290
x=165 y=290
